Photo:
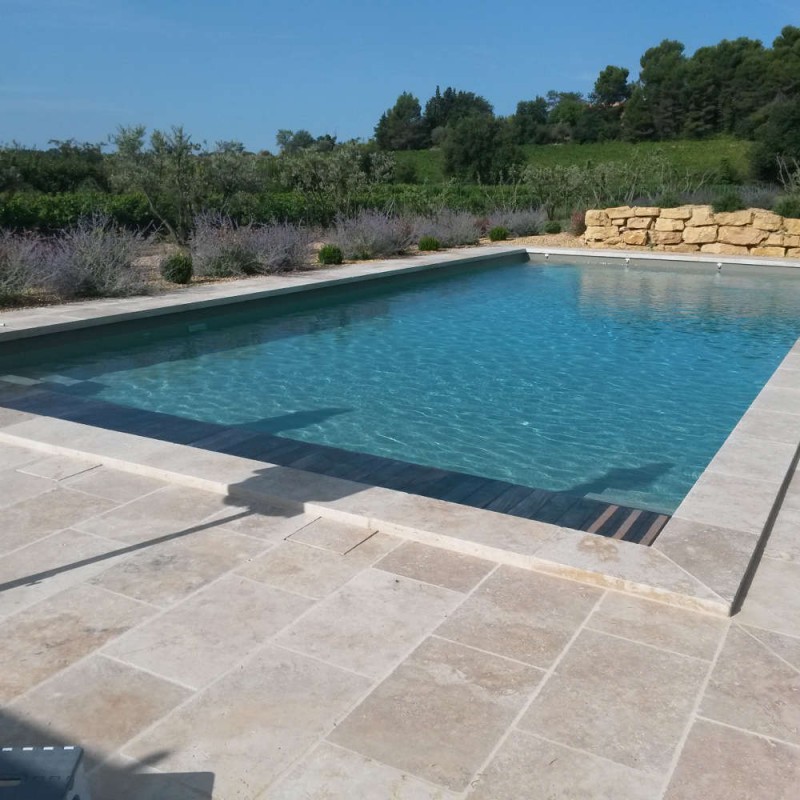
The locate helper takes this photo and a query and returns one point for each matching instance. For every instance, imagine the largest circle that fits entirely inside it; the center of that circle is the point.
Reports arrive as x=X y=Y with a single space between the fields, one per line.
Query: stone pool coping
x=703 y=559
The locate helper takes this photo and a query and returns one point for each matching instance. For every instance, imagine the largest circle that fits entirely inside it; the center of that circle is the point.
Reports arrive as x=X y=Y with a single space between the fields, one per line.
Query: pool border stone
x=703 y=559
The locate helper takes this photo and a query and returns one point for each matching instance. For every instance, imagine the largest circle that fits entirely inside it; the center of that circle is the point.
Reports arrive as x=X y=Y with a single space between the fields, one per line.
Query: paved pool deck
x=213 y=627
x=202 y=647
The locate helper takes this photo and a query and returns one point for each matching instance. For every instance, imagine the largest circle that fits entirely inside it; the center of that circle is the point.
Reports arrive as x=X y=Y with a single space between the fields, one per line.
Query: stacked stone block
x=694 y=229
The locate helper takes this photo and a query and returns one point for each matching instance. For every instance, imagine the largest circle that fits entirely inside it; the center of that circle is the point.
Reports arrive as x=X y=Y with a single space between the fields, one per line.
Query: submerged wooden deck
x=559 y=508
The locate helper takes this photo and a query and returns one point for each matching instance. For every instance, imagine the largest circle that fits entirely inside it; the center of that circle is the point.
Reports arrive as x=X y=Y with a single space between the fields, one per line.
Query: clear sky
x=242 y=69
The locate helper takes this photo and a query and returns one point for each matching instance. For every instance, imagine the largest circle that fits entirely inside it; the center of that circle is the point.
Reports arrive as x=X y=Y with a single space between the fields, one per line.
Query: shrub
x=96 y=258
x=428 y=243
x=372 y=234
x=552 y=227
x=451 y=228
x=498 y=234
x=177 y=268
x=730 y=200
x=330 y=254
x=521 y=222
x=758 y=196
x=787 y=206
x=667 y=200
x=577 y=223
x=19 y=266
x=220 y=248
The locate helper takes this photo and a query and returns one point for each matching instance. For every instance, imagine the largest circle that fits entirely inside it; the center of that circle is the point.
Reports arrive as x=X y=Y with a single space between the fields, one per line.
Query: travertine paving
x=199 y=647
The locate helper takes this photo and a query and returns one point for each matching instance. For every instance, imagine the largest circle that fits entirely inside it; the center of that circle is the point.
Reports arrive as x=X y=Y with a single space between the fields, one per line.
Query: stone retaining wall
x=694 y=229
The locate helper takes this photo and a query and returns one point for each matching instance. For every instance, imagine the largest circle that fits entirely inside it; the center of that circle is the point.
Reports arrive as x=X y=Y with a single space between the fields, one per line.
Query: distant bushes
x=729 y=200
x=788 y=206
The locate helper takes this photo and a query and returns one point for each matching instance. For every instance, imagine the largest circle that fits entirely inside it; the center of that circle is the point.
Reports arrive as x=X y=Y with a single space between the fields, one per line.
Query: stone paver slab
x=53 y=634
x=311 y=571
x=165 y=573
x=206 y=635
x=125 y=779
x=448 y=705
x=526 y=766
x=329 y=535
x=753 y=689
x=455 y=571
x=29 y=520
x=371 y=622
x=252 y=723
x=522 y=615
x=330 y=771
x=58 y=468
x=626 y=702
x=719 y=763
x=687 y=632
x=16 y=486
x=272 y=525
x=98 y=704
x=114 y=484
x=773 y=599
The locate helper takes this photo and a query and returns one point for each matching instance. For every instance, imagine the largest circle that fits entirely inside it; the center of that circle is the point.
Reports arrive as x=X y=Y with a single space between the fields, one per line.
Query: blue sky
x=242 y=69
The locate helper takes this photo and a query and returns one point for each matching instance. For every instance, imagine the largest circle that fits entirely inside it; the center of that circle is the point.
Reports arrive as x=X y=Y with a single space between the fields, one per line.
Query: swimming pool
x=613 y=383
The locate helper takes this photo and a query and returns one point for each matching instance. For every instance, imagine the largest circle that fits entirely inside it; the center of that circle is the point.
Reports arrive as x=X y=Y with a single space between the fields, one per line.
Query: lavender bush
x=522 y=222
x=220 y=248
x=372 y=234
x=450 y=228
x=19 y=266
x=96 y=258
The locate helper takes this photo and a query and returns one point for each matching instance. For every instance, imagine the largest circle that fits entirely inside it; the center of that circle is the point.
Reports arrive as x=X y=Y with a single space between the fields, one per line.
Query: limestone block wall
x=694 y=229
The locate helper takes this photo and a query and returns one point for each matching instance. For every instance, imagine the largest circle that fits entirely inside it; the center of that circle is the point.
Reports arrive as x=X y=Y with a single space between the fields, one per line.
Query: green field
x=693 y=155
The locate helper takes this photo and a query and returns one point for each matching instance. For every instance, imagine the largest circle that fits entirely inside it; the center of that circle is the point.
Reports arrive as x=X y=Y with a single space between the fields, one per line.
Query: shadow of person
x=622 y=479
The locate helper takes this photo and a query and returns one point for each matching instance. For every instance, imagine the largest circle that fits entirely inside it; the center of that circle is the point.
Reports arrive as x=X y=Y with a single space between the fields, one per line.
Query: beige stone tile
x=727 y=501
x=53 y=634
x=753 y=689
x=775 y=426
x=29 y=520
x=168 y=510
x=448 y=706
x=787 y=647
x=747 y=457
x=165 y=573
x=371 y=622
x=212 y=631
x=773 y=599
x=775 y=398
x=97 y=703
x=329 y=535
x=270 y=524
x=123 y=778
x=50 y=565
x=113 y=484
x=455 y=571
x=58 y=468
x=252 y=723
x=719 y=557
x=625 y=566
x=522 y=614
x=16 y=486
x=623 y=701
x=687 y=632
x=529 y=767
x=10 y=416
x=719 y=763
x=12 y=456
x=330 y=772
x=311 y=571
x=784 y=538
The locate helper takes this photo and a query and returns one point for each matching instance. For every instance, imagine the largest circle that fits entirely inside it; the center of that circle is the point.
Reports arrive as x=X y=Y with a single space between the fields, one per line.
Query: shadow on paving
x=260 y=441
x=107 y=780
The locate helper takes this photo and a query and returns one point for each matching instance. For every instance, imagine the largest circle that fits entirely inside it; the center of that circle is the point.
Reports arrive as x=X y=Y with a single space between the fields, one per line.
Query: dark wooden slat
x=578 y=515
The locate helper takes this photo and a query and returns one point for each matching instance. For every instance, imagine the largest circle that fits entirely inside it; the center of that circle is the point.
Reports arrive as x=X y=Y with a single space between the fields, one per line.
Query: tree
x=166 y=172
x=662 y=80
x=452 y=105
x=785 y=66
x=637 y=119
x=480 y=148
x=611 y=86
x=564 y=107
x=529 y=121
x=401 y=127
x=293 y=141
x=778 y=138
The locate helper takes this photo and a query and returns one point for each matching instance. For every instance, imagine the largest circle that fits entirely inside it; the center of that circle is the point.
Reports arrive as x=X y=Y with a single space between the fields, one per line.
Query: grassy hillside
x=696 y=156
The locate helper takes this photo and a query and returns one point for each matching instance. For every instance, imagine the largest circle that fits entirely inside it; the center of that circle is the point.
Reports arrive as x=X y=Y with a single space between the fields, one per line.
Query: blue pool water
x=615 y=383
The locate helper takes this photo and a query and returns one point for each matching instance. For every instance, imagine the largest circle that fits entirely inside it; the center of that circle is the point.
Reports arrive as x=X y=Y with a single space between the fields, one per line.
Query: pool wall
x=703 y=559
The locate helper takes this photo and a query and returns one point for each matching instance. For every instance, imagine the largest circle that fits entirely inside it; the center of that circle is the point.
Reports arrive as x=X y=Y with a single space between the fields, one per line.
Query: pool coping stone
x=703 y=559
